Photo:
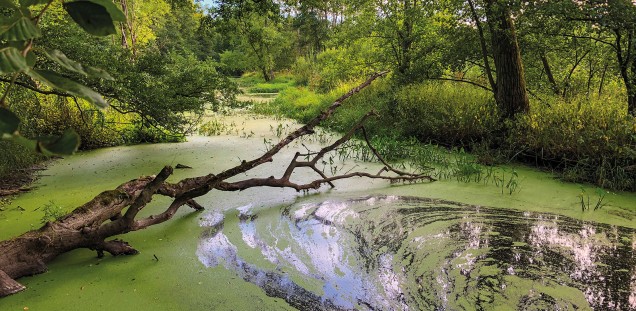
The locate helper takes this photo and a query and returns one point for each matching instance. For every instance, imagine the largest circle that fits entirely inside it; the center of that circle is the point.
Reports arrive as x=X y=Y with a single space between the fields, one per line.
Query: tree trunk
x=484 y=48
x=548 y=73
x=631 y=90
x=602 y=82
x=268 y=74
x=115 y=212
x=405 y=41
x=511 y=95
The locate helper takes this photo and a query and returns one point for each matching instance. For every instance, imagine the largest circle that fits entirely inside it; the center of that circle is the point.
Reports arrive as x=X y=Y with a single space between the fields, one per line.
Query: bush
x=14 y=156
x=297 y=103
x=446 y=114
x=592 y=141
x=47 y=115
x=587 y=141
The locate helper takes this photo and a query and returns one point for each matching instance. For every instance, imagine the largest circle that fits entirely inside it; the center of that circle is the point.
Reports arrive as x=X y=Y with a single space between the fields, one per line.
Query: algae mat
x=184 y=264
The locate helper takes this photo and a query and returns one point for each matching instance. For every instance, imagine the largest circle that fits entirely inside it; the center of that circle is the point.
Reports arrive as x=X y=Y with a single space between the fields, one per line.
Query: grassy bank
x=583 y=140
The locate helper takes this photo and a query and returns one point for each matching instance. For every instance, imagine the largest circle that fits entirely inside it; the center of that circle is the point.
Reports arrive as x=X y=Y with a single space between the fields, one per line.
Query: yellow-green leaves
x=26 y=3
x=96 y=17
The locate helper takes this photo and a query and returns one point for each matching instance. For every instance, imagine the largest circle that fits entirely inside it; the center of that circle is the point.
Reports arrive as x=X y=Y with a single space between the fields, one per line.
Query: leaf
x=25 y=3
x=18 y=28
x=66 y=144
x=56 y=81
x=11 y=60
x=95 y=17
x=74 y=66
x=28 y=143
x=115 y=13
x=7 y=4
x=99 y=73
x=9 y=122
x=31 y=58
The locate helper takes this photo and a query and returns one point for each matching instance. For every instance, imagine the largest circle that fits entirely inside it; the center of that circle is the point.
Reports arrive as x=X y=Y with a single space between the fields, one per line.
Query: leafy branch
x=17 y=35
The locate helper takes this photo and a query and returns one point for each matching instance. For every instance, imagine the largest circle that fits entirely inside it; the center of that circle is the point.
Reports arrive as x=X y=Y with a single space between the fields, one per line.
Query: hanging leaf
x=18 y=28
x=54 y=80
x=28 y=143
x=11 y=60
x=99 y=73
x=115 y=13
x=92 y=17
x=7 y=4
x=74 y=66
x=25 y=3
x=66 y=144
x=31 y=58
x=9 y=122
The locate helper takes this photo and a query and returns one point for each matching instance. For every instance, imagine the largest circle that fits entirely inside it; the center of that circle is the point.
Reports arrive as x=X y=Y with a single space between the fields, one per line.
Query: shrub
x=297 y=103
x=592 y=141
x=14 y=156
x=446 y=114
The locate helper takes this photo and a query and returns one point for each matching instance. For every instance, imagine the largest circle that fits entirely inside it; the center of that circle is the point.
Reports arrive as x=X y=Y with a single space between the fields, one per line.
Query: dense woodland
x=549 y=83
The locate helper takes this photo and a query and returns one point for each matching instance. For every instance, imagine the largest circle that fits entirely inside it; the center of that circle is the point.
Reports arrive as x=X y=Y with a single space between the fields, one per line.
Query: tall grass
x=14 y=156
x=254 y=83
x=586 y=140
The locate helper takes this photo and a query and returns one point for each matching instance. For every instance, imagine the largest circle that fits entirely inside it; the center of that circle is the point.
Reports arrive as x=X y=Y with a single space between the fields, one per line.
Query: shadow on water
x=406 y=253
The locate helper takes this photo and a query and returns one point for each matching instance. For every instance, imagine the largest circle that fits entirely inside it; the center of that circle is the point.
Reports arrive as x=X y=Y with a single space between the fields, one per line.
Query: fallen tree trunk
x=114 y=212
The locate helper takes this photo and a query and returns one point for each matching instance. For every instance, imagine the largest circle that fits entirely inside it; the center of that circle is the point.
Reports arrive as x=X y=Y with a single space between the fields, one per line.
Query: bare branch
x=106 y=215
x=463 y=81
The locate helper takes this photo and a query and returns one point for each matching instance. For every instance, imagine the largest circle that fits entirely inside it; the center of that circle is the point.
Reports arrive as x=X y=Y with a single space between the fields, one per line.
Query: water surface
x=408 y=253
x=330 y=249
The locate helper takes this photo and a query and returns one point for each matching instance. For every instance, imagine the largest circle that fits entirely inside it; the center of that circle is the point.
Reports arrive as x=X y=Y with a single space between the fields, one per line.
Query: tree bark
x=548 y=73
x=511 y=95
x=114 y=212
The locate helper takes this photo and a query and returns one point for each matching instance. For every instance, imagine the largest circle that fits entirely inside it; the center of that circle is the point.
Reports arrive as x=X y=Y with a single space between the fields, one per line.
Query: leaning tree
x=114 y=212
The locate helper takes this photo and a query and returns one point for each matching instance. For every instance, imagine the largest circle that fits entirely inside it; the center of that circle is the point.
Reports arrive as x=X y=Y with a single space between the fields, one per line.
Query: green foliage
x=446 y=114
x=141 y=133
x=11 y=60
x=52 y=212
x=212 y=128
x=592 y=141
x=95 y=16
x=14 y=156
x=298 y=103
x=584 y=199
x=588 y=140
x=254 y=83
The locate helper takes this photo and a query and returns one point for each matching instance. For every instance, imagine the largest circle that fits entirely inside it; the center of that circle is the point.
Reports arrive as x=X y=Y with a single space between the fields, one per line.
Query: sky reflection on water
x=405 y=253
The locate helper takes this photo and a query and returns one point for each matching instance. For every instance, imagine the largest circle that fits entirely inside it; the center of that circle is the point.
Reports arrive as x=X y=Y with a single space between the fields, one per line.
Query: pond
x=364 y=245
x=409 y=253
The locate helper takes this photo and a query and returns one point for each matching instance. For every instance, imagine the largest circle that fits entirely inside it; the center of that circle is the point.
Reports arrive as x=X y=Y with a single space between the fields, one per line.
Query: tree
x=598 y=26
x=618 y=19
x=256 y=28
x=115 y=212
x=510 y=89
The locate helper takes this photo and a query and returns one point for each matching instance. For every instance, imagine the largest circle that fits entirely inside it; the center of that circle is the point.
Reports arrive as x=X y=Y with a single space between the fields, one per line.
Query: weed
x=584 y=199
x=52 y=212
